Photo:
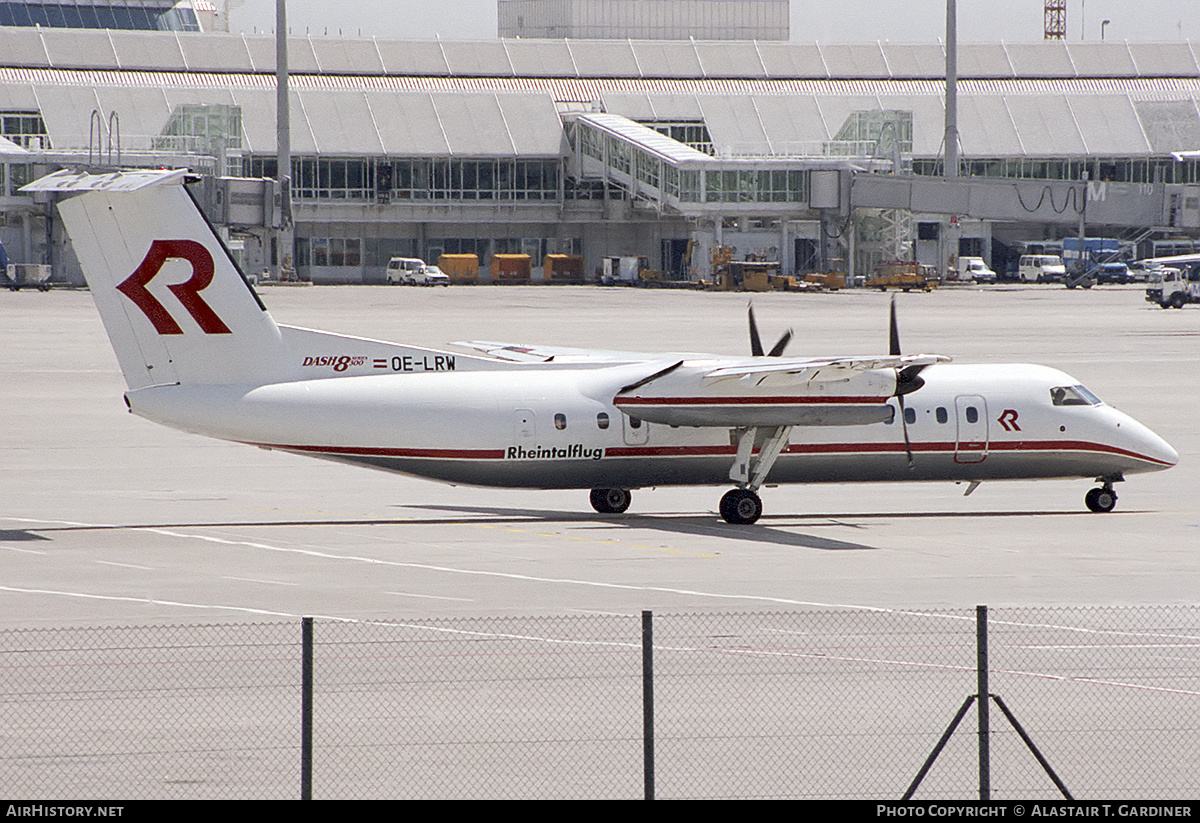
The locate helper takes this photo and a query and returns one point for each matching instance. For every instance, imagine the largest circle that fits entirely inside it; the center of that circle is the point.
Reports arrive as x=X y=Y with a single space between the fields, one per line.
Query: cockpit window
x=1073 y=396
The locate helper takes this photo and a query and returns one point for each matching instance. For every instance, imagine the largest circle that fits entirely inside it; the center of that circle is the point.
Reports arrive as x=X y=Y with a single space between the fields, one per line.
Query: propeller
x=908 y=379
x=756 y=348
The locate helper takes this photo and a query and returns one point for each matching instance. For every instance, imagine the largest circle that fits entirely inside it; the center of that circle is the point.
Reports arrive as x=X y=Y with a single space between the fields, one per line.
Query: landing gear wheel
x=610 y=501
x=1101 y=500
x=740 y=507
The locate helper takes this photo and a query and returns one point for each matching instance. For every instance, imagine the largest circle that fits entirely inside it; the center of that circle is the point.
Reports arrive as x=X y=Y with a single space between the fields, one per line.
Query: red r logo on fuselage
x=188 y=293
x=1008 y=419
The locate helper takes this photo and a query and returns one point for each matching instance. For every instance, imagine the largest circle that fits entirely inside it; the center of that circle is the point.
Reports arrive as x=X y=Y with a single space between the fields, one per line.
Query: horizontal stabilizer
x=67 y=180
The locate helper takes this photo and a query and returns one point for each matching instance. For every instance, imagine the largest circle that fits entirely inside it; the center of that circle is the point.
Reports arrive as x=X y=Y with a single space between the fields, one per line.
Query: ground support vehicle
x=460 y=268
x=1041 y=268
x=973 y=268
x=903 y=275
x=1173 y=289
x=400 y=270
x=430 y=276
x=31 y=275
x=1110 y=273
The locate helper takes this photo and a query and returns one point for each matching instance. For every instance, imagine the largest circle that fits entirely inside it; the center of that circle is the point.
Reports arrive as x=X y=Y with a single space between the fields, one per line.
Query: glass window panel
x=320 y=252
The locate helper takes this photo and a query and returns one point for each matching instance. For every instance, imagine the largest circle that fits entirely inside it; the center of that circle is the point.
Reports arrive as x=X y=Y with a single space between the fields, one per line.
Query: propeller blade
x=907 y=379
x=756 y=348
x=894 y=332
x=904 y=428
x=781 y=344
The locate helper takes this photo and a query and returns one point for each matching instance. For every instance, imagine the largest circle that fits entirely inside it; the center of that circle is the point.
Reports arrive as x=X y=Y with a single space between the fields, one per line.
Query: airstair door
x=972 y=439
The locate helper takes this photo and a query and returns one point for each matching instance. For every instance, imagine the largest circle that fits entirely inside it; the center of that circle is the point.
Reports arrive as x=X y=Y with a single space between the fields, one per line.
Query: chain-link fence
x=817 y=704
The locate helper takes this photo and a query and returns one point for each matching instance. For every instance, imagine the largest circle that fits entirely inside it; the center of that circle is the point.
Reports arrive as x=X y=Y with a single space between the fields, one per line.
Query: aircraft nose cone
x=1148 y=445
x=1165 y=453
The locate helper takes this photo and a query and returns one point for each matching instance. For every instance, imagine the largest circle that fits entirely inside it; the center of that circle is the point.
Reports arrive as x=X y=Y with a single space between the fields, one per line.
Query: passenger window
x=635 y=423
x=560 y=421
x=972 y=414
x=910 y=415
x=602 y=420
x=942 y=415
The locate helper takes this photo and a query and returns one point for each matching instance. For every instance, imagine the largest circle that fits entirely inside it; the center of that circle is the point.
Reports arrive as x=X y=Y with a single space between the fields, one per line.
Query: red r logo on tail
x=188 y=293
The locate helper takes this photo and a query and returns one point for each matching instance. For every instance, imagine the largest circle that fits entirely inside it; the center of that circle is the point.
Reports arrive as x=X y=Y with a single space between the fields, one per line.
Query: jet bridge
x=1133 y=205
x=827 y=182
x=671 y=176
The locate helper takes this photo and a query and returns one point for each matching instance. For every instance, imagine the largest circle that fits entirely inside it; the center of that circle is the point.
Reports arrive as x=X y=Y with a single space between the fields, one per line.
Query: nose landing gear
x=1103 y=499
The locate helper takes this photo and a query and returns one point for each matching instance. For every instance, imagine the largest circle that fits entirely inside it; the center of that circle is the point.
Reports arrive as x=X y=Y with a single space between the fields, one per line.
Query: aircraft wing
x=806 y=371
x=838 y=391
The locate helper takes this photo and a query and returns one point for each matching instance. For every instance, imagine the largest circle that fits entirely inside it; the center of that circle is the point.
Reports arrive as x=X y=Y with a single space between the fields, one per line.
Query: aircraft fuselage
x=557 y=428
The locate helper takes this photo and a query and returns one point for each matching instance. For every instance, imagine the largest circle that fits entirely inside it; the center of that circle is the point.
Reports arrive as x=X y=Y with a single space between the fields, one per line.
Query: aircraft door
x=972 y=438
x=636 y=430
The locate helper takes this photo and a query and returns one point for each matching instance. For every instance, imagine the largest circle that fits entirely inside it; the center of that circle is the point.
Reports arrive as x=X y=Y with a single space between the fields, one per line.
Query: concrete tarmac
x=106 y=518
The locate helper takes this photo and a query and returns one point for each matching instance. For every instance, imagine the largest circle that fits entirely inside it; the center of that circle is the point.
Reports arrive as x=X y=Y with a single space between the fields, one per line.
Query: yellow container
x=511 y=268
x=563 y=268
x=460 y=268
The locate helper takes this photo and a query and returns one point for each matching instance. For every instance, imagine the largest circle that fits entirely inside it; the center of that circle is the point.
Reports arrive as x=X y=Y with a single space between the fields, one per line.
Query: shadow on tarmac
x=771 y=529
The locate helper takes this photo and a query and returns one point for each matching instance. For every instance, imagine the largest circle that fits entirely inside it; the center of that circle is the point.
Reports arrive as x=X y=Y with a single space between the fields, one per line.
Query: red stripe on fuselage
x=747 y=401
x=710 y=451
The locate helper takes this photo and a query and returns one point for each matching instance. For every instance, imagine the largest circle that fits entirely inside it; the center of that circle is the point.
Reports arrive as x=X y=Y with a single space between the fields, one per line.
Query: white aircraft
x=200 y=353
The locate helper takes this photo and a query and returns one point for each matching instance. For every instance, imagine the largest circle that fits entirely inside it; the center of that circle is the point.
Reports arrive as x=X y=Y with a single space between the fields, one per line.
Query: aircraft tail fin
x=175 y=305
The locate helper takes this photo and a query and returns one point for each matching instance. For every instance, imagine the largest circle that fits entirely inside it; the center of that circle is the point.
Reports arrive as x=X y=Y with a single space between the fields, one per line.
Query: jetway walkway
x=1129 y=205
x=672 y=176
x=675 y=178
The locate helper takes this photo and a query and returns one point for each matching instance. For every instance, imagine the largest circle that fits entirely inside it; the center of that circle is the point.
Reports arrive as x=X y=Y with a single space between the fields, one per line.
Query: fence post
x=981 y=671
x=306 y=707
x=648 y=704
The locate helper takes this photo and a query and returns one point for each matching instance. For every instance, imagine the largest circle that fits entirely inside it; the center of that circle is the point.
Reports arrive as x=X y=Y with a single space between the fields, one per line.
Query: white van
x=404 y=270
x=973 y=268
x=1041 y=268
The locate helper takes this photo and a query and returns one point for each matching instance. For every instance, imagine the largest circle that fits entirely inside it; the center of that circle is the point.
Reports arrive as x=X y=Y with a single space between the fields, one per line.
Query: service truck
x=1174 y=288
x=973 y=268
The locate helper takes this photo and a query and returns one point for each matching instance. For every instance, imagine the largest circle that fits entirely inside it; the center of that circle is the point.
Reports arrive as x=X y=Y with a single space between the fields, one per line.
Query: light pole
x=1103 y=23
x=285 y=268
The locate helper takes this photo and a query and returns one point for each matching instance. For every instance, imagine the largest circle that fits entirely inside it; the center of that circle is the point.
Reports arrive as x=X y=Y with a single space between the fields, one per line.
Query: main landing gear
x=610 y=501
x=1103 y=499
x=741 y=507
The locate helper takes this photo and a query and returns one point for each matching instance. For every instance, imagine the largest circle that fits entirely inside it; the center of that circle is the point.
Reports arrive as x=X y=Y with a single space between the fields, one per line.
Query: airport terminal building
x=665 y=149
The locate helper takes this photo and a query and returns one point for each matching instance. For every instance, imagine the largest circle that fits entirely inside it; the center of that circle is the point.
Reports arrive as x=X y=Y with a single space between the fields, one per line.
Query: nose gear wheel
x=1101 y=500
